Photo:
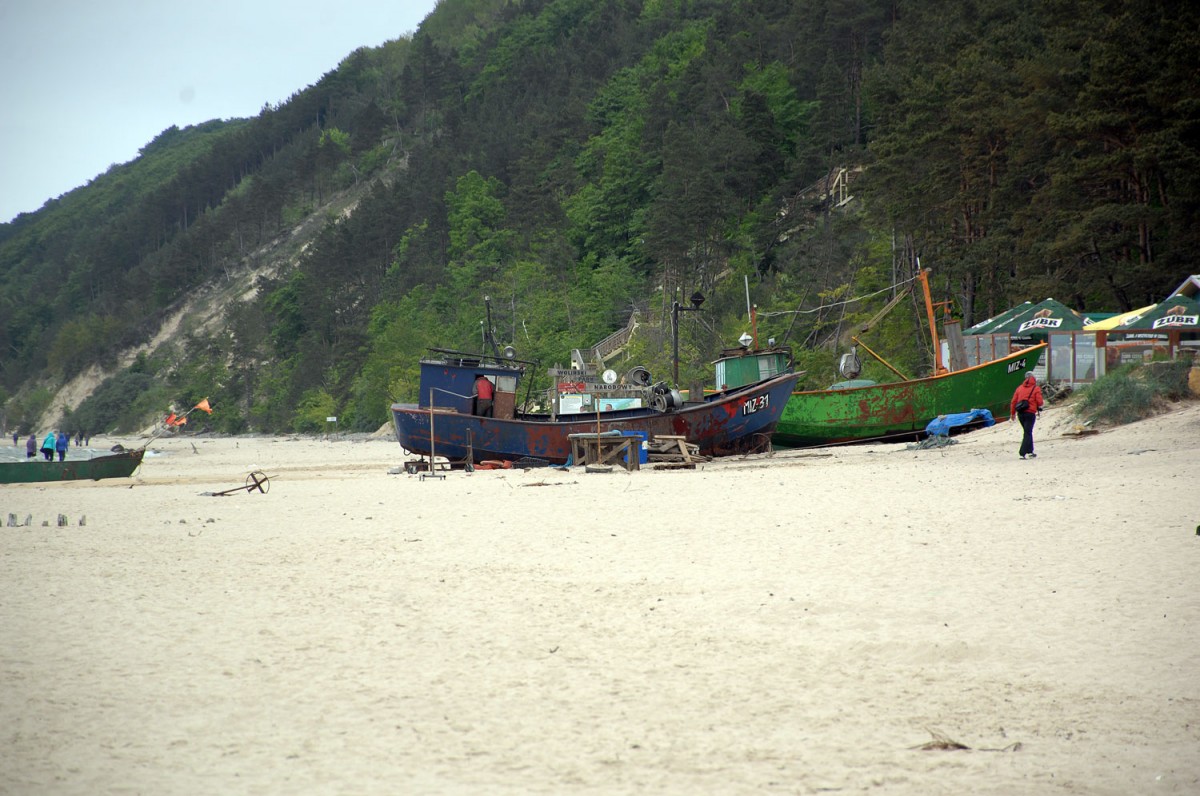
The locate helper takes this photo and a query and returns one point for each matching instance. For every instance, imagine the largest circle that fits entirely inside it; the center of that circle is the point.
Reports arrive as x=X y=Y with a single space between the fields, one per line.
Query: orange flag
x=170 y=421
x=204 y=407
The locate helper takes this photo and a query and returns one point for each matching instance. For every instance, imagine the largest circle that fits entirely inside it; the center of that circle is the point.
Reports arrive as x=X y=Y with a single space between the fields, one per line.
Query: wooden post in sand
x=432 y=450
x=597 y=467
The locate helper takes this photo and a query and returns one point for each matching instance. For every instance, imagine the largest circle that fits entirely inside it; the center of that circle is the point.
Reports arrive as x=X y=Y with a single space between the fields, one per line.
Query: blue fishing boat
x=448 y=421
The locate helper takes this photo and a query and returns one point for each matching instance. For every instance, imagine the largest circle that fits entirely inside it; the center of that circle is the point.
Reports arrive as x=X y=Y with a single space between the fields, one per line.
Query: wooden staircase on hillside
x=615 y=343
x=831 y=192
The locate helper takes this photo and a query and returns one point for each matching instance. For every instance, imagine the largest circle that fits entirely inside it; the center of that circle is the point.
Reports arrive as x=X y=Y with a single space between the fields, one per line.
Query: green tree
x=315 y=405
x=479 y=245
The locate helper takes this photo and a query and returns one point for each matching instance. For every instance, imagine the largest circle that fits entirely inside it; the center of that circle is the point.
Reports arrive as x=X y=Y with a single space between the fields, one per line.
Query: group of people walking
x=55 y=443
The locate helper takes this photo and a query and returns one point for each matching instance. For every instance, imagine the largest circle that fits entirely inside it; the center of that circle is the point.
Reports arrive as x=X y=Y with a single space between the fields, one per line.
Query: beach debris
x=257 y=480
x=423 y=465
x=62 y=521
x=940 y=743
x=932 y=441
x=432 y=474
x=665 y=448
x=1056 y=393
x=943 y=743
x=1079 y=431
x=1016 y=746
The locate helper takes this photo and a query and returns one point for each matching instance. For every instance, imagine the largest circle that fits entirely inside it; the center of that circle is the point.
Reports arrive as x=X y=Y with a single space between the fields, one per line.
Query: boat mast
x=489 y=339
x=939 y=368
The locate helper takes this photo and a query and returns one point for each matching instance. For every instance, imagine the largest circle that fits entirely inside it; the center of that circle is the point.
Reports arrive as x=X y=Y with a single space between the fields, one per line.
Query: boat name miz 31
x=753 y=405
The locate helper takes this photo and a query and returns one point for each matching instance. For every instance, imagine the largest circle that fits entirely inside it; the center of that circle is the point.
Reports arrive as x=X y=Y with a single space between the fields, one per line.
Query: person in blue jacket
x=48 y=446
x=61 y=444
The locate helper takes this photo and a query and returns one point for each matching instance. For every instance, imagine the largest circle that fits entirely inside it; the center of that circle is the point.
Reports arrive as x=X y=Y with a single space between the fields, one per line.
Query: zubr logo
x=1041 y=320
x=1176 y=316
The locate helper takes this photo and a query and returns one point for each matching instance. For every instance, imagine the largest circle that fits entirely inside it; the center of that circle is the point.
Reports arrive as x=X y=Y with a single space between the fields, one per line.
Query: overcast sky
x=85 y=84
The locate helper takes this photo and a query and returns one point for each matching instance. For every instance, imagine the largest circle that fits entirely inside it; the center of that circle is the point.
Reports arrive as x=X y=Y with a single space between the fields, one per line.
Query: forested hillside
x=576 y=159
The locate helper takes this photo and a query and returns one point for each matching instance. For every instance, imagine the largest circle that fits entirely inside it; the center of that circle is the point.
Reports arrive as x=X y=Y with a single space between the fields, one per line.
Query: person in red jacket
x=484 y=390
x=1026 y=405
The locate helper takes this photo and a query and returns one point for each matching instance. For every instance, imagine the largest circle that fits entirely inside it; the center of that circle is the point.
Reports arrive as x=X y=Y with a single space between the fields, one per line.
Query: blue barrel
x=643 y=445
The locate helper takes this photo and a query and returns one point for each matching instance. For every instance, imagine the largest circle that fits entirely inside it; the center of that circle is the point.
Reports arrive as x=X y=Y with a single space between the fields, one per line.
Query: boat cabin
x=448 y=382
x=741 y=366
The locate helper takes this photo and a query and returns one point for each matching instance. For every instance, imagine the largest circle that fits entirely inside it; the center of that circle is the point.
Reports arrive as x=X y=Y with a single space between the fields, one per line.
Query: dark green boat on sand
x=116 y=465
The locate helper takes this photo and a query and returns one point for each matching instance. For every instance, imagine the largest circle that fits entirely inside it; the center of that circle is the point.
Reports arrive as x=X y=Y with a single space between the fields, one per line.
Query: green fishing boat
x=856 y=411
x=117 y=465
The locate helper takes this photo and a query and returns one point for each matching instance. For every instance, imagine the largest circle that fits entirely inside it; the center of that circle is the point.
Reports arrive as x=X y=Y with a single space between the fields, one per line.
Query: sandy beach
x=802 y=622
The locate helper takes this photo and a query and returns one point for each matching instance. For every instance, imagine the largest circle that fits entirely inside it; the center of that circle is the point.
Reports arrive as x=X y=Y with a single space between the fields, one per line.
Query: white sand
x=793 y=624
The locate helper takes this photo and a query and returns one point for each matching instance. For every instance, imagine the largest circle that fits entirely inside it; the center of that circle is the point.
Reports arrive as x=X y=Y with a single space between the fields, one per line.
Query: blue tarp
x=940 y=426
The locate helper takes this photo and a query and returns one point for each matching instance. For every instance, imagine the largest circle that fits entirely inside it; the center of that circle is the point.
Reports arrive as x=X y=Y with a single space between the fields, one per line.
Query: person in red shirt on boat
x=1026 y=405
x=484 y=392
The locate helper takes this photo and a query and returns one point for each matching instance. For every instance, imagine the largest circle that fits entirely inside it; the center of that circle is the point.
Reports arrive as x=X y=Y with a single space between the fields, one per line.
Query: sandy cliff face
x=207 y=308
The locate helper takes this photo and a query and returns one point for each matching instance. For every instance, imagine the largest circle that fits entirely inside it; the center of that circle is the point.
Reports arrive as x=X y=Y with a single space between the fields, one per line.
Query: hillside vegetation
x=576 y=159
